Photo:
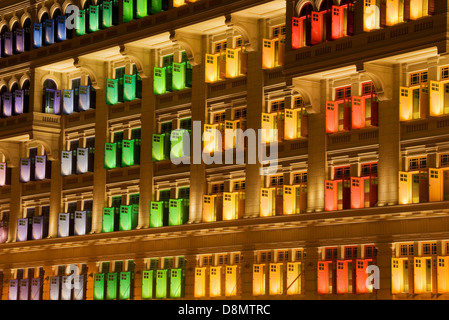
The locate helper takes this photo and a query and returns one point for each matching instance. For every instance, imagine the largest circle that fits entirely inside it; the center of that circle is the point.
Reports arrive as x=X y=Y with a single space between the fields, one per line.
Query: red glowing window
x=342 y=173
x=370 y=252
x=350 y=253
x=368 y=169
x=330 y=254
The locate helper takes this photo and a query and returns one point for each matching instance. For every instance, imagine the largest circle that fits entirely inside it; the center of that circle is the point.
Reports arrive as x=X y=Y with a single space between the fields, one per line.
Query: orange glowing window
x=330 y=254
x=299 y=177
x=217 y=188
x=429 y=248
x=370 y=252
x=418 y=78
x=447 y=248
x=276 y=181
x=220 y=46
x=444 y=160
x=277 y=105
x=265 y=256
x=406 y=250
x=342 y=173
x=368 y=169
x=417 y=163
x=282 y=255
x=343 y=93
x=350 y=253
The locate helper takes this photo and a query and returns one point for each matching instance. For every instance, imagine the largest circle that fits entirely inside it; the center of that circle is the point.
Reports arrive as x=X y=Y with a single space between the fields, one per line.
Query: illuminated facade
x=91 y=118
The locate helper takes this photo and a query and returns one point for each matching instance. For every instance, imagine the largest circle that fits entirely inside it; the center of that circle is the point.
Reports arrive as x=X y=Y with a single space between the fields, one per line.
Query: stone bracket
x=382 y=77
x=94 y=69
x=310 y=91
x=191 y=43
x=248 y=28
x=139 y=56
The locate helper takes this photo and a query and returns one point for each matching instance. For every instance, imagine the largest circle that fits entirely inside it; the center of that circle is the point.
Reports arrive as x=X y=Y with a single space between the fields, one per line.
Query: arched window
x=22 y=98
x=301 y=27
x=51 y=98
x=8 y=42
x=7 y=102
x=16 y=108
x=3 y=91
x=22 y=36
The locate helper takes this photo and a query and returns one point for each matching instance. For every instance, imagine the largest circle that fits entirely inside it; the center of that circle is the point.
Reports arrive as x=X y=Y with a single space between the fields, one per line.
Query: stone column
x=138 y=274
x=55 y=194
x=255 y=107
x=310 y=270
x=246 y=273
x=189 y=288
x=101 y=137
x=146 y=163
x=383 y=261
x=48 y=273
x=199 y=109
x=91 y=270
x=389 y=146
x=317 y=158
x=15 y=207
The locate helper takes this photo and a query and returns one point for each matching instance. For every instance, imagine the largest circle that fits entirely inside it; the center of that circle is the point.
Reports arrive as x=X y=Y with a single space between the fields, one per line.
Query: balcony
x=426 y=32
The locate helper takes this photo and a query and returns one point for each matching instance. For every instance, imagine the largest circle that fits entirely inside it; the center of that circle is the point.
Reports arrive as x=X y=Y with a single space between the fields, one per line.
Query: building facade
x=99 y=102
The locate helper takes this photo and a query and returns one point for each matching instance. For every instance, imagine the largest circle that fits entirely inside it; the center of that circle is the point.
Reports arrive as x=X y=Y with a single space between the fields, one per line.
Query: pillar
x=101 y=137
x=255 y=107
x=198 y=185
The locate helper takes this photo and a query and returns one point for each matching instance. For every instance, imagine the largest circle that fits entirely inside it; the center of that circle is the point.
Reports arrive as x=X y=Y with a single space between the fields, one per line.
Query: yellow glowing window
x=406 y=250
x=444 y=73
x=299 y=177
x=282 y=255
x=238 y=42
x=444 y=160
x=277 y=105
x=429 y=248
x=238 y=258
x=417 y=163
x=239 y=113
x=276 y=180
x=207 y=260
x=299 y=102
x=220 y=46
x=238 y=185
x=265 y=256
x=222 y=259
x=217 y=188
x=299 y=255
x=418 y=78
x=219 y=117
x=277 y=31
